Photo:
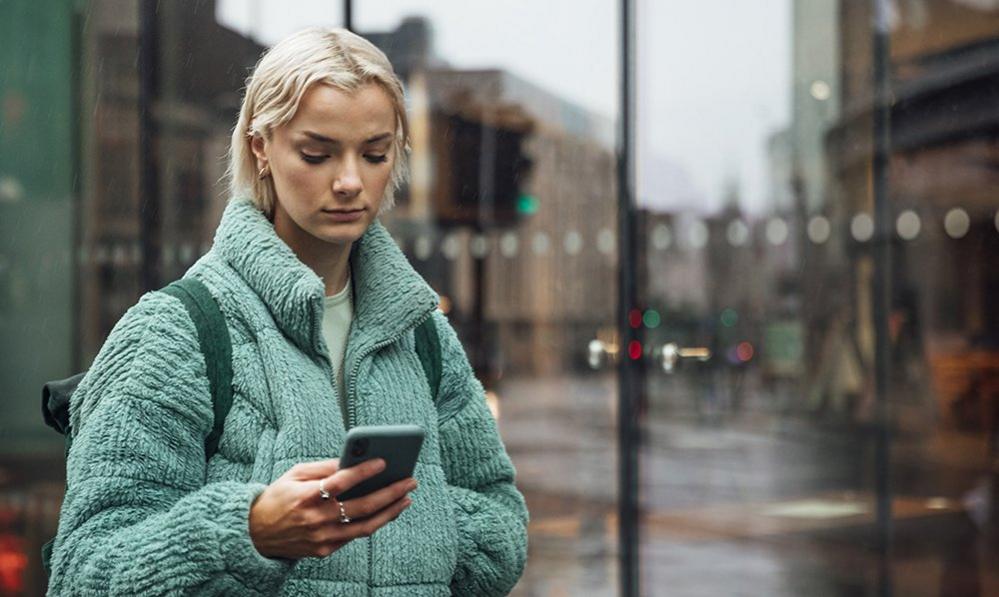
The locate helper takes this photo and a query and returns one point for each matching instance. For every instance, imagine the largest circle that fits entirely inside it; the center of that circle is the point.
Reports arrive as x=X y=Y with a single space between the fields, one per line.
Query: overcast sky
x=714 y=75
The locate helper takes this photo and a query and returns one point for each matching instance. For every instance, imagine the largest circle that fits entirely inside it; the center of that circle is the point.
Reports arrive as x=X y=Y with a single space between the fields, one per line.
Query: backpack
x=216 y=346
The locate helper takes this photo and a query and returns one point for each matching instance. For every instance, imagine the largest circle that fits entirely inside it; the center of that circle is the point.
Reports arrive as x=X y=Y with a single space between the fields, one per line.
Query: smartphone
x=397 y=445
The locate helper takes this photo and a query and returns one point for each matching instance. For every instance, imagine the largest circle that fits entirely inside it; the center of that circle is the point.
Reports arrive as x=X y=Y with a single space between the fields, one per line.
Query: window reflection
x=758 y=231
x=517 y=177
x=786 y=300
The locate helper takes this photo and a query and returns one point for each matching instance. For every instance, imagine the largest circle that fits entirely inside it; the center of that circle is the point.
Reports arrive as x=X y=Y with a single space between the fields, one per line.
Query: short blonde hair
x=274 y=90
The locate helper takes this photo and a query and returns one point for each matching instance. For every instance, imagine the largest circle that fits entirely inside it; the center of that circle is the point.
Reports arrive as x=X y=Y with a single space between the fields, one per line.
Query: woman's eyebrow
x=330 y=141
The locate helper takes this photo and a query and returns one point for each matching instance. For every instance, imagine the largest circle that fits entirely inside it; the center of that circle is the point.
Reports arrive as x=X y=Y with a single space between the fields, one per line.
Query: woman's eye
x=312 y=159
x=376 y=159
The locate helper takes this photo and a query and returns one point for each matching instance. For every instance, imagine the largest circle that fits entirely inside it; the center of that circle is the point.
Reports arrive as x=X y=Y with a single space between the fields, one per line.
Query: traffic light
x=485 y=170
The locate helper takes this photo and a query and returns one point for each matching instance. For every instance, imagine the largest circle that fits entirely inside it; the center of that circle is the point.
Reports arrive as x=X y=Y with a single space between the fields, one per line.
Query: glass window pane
x=512 y=198
x=768 y=241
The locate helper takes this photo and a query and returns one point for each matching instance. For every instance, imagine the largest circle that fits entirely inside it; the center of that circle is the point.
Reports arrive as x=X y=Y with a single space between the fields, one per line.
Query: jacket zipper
x=336 y=389
x=350 y=388
x=350 y=380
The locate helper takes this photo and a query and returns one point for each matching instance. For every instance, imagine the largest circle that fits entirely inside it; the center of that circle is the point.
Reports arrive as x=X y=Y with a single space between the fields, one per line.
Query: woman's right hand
x=290 y=520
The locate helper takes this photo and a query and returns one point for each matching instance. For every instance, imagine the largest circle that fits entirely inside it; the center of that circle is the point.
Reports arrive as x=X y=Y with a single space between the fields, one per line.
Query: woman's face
x=331 y=163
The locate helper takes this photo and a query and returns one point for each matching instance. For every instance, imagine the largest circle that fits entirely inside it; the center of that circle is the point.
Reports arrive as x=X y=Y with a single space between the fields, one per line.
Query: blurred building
x=942 y=168
x=533 y=138
x=518 y=187
x=124 y=228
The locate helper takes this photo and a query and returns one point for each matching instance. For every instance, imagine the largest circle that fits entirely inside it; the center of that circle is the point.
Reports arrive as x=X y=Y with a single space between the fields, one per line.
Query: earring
x=263 y=173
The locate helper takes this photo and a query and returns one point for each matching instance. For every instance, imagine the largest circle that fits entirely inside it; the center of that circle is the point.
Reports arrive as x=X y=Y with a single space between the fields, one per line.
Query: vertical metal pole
x=629 y=371
x=881 y=285
x=149 y=187
x=348 y=15
x=77 y=40
x=489 y=128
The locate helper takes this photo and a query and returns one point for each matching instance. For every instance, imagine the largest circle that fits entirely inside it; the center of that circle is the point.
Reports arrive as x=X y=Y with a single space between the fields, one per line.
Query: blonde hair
x=274 y=90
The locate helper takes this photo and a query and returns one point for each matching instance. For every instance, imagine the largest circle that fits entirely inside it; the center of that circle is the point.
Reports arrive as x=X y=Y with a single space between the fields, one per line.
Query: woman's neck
x=331 y=262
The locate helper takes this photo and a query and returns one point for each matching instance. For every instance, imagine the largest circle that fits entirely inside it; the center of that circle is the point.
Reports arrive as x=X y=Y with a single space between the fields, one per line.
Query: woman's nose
x=348 y=181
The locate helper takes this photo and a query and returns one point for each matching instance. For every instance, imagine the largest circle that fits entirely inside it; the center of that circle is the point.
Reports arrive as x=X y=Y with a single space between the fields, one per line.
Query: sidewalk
x=750 y=506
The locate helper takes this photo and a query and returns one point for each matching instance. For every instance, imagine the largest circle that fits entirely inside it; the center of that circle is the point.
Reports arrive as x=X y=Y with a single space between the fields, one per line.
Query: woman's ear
x=259 y=147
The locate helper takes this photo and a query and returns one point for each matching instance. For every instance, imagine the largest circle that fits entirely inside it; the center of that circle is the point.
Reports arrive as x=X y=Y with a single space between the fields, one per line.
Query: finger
x=335 y=535
x=344 y=479
x=364 y=507
x=327 y=548
x=368 y=526
x=314 y=470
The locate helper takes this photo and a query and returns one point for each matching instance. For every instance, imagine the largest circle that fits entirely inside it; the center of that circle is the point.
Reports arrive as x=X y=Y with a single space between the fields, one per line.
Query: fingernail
x=407 y=502
x=412 y=485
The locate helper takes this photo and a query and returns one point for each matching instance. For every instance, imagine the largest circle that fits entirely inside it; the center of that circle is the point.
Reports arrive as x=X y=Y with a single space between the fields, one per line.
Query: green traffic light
x=527 y=204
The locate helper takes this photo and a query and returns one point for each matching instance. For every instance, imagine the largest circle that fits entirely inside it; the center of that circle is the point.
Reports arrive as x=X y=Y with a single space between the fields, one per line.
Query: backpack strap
x=216 y=346
x=428 y=349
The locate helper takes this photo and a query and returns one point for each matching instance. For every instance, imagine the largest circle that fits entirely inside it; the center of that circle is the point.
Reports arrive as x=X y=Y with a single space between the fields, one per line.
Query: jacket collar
x=389 y=296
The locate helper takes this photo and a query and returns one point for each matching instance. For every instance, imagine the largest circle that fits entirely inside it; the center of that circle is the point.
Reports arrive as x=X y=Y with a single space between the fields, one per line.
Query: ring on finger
x=325 y=495
x=344 y=519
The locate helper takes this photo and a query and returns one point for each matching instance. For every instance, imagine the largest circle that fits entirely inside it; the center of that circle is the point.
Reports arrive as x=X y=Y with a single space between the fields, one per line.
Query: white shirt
x=338 y=311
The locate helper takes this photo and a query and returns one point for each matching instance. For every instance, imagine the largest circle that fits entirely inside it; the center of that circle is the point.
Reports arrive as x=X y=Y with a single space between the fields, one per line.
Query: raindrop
x=480 y=246
x=509 y=245
x=605 y=241
x=451 y=248
x=573 y=242
x=697 y=234
x=186 y=253
x=862 y=227
x=423 y=248
x=908 y=224
x=737 y=233
x=957 y=223
x=661 y=237
x=820 y=90
x=541 y=243
x=819 y=230
x=11 y=190
x=777 y=231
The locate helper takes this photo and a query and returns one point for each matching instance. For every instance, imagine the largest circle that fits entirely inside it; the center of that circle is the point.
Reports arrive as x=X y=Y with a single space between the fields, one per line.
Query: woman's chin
x=340 y=234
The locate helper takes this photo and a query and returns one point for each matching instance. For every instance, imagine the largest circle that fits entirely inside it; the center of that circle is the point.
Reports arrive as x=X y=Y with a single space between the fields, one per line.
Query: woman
x=321 y=306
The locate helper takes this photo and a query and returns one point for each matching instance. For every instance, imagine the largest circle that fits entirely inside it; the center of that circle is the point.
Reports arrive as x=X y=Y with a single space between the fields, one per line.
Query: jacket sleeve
x=490 y=512
x=138 y=518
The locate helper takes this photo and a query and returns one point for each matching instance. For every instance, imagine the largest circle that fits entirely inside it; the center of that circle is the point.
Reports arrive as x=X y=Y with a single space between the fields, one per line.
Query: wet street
x=744 y=504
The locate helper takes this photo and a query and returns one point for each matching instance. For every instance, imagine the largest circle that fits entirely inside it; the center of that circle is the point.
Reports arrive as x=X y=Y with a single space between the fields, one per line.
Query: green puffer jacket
x=145 y=515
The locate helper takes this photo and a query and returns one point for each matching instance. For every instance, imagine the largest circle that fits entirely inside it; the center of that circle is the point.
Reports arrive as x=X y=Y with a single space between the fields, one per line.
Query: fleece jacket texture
x=144 y=514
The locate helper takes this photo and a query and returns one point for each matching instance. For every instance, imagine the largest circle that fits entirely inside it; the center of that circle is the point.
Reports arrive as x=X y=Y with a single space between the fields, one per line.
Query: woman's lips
x=342 y=215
